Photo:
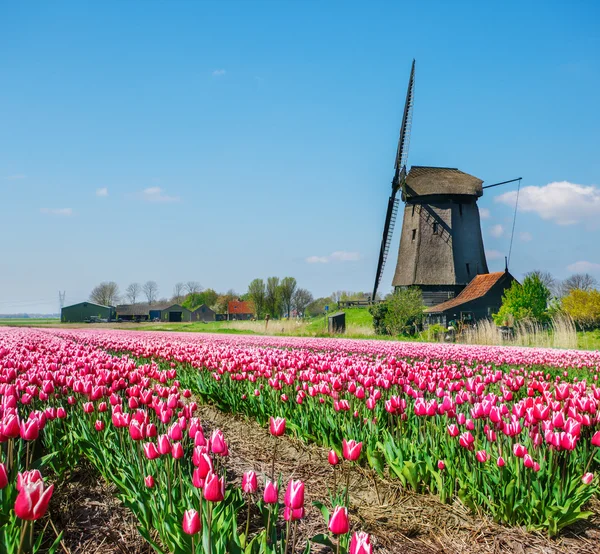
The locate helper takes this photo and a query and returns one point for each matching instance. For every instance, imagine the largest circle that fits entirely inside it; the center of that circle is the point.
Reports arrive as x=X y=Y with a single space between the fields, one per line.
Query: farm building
x=86 y=311
x=481 y=298
x=237 y=309
x=140 y=312
x=203 y=313
x=176 y=313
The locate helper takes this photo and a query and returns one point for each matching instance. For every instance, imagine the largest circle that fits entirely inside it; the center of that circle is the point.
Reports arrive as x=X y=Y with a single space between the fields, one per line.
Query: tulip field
x=510 y=433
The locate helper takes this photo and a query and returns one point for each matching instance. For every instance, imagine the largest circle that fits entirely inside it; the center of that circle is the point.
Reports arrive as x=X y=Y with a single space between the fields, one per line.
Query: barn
x=481 y=298
x=203 y=313
x=86 y=311
x=140 y=312
x=175 y=313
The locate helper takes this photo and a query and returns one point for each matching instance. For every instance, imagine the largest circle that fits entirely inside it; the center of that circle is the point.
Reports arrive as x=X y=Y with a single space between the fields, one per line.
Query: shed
x=203 y=313
x=481 y=298
x=86 y=311
x=175 y=313
x=140 y=312
x=238 y=309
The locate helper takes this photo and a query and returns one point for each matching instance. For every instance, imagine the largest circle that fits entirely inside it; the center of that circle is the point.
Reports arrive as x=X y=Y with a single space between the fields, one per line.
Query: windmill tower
x=441 y=247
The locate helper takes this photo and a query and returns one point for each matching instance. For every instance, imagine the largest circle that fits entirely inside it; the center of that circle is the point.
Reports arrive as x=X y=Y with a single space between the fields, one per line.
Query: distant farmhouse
x=87 y=311
x=90 y=312
x=238 y=309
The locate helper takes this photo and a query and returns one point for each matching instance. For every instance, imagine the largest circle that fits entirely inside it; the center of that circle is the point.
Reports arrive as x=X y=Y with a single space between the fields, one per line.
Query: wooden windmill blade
x=398 y=181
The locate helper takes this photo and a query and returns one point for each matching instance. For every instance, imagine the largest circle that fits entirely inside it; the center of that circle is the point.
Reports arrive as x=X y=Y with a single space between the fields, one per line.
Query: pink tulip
x=249 y=482
x=271 y=494
x=360 y=543
x=596 y=439
x=198 y=478
x=351 y=449
x=3 y=476
x=177 y=450
x=441 y=465
x=338 y=523
x=30 y=430
x=482 y=456
x=289 y=514
x=217 y=442
x=294 y=494
x=500 y=462
x=32 y=500
x=277 y=426
x=588 y=478
x=164 y=445
x=214 y=488
x=99 y=425
x=333 y=458
x=149 y=481
x=191 y=522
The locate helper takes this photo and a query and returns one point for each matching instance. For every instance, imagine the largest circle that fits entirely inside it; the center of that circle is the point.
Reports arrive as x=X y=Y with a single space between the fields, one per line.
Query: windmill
x=441 y=245
x=397 y=181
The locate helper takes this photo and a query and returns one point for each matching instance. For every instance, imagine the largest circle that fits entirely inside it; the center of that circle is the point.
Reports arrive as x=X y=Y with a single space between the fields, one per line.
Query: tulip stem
x=273 y=462
x=193 y=546
x=209 y=525
x=169 y=485
x=287 y=537
x=347 y=485
x=180 y=480
x=269 y=525
x=23 y=532
x=294 y=537
x=248 y=525
x=26 y=455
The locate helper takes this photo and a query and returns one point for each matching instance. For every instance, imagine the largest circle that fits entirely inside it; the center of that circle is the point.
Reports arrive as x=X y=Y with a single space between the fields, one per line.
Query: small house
x=238 y=309
x=203 y=313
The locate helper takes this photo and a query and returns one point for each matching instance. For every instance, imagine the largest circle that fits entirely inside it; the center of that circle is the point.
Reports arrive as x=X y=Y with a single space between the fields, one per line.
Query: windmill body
x=441 y=246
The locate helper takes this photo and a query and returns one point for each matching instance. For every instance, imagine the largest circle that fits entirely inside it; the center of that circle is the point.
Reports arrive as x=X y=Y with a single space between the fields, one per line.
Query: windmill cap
x=429 y=181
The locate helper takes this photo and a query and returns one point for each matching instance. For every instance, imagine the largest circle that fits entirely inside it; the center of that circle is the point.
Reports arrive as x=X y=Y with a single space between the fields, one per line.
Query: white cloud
x=493 y=255
x=525 y=236
x=57 y=211
x=484 y=213
x=102 y=192
x=562 y=202
x=497 y=230
x=15 y=177
x=337 y=256
x=218 y=73
x=584 y=267
x=156 y=194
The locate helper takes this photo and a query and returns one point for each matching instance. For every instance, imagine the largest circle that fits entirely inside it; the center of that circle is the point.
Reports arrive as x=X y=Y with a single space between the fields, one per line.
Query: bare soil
x=94 y=521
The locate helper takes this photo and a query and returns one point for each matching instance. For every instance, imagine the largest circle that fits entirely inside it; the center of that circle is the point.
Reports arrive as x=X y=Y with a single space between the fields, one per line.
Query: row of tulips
x=61 y=400
x=514 y=432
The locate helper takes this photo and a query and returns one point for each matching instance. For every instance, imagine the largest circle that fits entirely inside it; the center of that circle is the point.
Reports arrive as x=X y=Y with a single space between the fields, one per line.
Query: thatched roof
x=427 y=181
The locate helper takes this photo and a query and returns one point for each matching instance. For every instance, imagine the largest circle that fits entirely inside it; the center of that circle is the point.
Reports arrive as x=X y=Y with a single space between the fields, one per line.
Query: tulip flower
x=28 y=477
x=271 y=494
x=333 y=458
x=588 y=478
x=3 y=476
x=249 y=482
x=360 y=543
x=177 y=450
x=137 y=430
x=441 y=465
x=30 y=429
x=217 y=442
x=338 y=523
x=277 y=426
x=596 y=439
x=191 y=522
x=294 y=494
x=198 y=478
x=149 y=481
x=289 y=514
x=214 y=488
x=351 y=449
x=164 y=445
x=150 y=451
x=99 y=425
x=32 y=500
x=482 y=456
x=500 y=462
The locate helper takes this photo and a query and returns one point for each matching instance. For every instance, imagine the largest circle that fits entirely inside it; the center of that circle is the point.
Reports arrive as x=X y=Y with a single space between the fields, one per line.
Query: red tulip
x=32 y=500
x=197 y=478
x=3 y=476
x=28 y=477
x=482 y=456
x=99 y=425
x=30 y=429
x=338 y=523
x=351 y=449
x=360 y=543
x=214 y=488
x=277 y=426
x=164 y=445
x=150 y=451
x=441 y=465
x=588 y=478
x=249 y=482
x=191 y=522
x=177 y=450
x=149 y=481
x=290 y=514
x=333 y=458
x=137 y=430
x=175 y=432
x=88 y=407
x=10 y=426
x=294 y=495
x=595 y=438
x=217 y=442
x=500 y=462
x=271 y=494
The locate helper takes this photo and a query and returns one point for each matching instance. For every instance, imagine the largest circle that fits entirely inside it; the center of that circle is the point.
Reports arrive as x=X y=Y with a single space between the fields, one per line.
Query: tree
x=403 y=313
x=548 y=279
x=132 y=292
x=150 y=289
x=584 y=307
x=302 y=298
x=272 y=296
x=528 y=301
x=257 y=292
x=178 y=293
x=287 y=288
x=196 y=299
x=317 y=307
x=581 y=281
x=222 y=303
x=336 y=296
x=192 y=287
x=106 y=293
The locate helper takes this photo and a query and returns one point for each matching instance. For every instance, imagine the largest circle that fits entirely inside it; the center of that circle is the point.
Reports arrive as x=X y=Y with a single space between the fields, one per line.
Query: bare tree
x=192 y=287
x=178 y=291
x=547 y=279
x=302 y=298
x=337 y=296
x=581 y=281
x=133 y=292
x=150 y=289
x=106 y=293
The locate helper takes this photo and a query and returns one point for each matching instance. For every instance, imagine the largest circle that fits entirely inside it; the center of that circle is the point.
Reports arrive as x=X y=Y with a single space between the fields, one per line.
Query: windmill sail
x=398 y=181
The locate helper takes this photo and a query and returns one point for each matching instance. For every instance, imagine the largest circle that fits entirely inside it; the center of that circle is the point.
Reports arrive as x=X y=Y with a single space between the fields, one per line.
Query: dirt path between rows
x=94 y=521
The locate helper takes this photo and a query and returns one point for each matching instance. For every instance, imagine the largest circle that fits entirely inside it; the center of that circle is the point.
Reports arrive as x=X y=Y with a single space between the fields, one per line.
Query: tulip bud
x=177 y=450
x=32 y=500
x=149 y=481
x=333 y=458
x=214 y=488
x=249 y=482
x=3 y=476
x=338 y=523
x=441 y=465
x=99 y=425
x=294 y=494
x=500 y=462
x=588 y=478
x=351 y=449
x=271 y=494
x=277 y=426
x=191 y=522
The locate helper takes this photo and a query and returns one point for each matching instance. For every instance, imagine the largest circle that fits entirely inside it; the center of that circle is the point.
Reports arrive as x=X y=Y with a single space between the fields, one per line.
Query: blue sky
x=223 y=141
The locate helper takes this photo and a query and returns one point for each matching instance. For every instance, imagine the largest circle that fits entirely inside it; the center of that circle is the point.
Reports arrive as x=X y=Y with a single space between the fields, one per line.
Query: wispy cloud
x=218 y=73
x=493 y=254
x=496 y=230
x=562 y=202
x=15 y=177
x=337 y=256
x=484 y=213
x=525 y=236
x=584 y=267
x=102 y=192
x=156 y=194
x=57 y=211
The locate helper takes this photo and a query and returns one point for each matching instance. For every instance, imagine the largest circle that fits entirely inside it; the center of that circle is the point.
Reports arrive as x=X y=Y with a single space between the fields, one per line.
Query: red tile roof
x=477 y=288
x=238 y=307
